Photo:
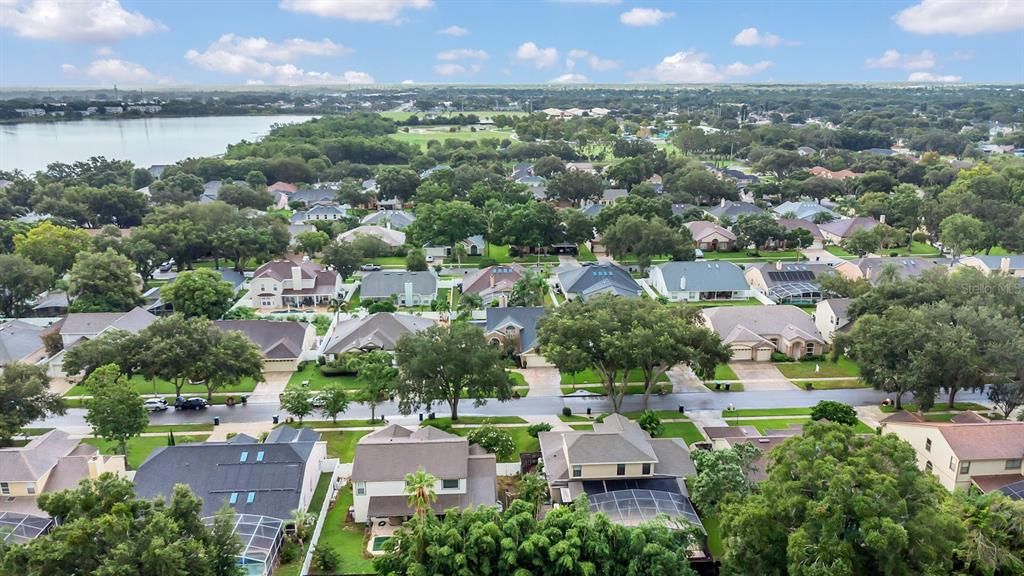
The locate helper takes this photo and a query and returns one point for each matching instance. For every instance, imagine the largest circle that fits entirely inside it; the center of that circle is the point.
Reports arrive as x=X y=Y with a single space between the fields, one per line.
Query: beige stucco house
x=831 y=316
x=292 y=284
x=1008 y=265
x=711 y=237
x=754 y=332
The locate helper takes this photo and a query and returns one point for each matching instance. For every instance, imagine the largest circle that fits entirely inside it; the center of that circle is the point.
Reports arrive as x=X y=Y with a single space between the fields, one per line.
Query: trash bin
x=431 y=416
x=682 y=409
x=245 y=399
x=276 y=418
x=216 y=420
x=421 y=416
x=588 y=411
x=727 y=386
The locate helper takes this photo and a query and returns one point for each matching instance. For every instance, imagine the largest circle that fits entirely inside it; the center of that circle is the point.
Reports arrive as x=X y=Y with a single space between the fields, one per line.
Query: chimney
x=723 y=203
x=1004 y=265
x=778 y=265
x=408 y=293
x=490 y=277
x=881 y=219
x=682 y=282
x=296 y=277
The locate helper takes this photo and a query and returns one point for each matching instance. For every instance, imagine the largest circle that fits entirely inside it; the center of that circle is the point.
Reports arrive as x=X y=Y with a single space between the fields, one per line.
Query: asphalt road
x=538 y=406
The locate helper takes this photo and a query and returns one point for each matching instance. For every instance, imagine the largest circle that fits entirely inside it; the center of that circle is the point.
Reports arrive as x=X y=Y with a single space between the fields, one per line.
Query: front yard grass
x=590 y=377
x=842 y=368
x=733 y=386
x=347 y=538
x=141 y=447
x=686 y=430
x=843 y=384
x=939 y=407
x=317 y=381
x=765 y=424
x=160 y=386
x=447 y=421
x=747 y=412
x=585 y=255
x=582 y=427
x=342 y=445
x=517 y=378
x=724 y=372
x=338 y=424
x=573 y=418
x=663 y=414
x=179 y=428
x=762 y=255
x=630 y=389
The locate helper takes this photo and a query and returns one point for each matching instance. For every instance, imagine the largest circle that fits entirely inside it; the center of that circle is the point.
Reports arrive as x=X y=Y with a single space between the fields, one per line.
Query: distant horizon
x=85 y=43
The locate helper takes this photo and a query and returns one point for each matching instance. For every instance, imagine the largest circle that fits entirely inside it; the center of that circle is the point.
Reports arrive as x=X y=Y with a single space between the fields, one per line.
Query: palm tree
x=468 y=303
x=420 y=487
x=529 y=290
x=459 y=250
x=304 y=522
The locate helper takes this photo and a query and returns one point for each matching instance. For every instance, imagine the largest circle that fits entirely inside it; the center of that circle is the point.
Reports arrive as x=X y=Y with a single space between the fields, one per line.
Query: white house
x=291 y=284
x=693 y=281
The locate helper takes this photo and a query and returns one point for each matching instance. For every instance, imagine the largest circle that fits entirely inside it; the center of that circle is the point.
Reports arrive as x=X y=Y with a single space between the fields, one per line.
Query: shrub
x=566 y=411
x=780 y=357
x=380 y=306
x=446 y=426
x=326 y=559
x=494 y=440
x=834 y=412
x=290 y=552
x=486 y=262
x=343 y=365
x=650 y=422
x=536 y=429
x=920 y=237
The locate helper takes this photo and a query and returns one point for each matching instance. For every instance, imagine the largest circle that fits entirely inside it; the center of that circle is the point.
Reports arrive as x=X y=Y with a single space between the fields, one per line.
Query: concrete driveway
x=760 y=376
x=542 y=381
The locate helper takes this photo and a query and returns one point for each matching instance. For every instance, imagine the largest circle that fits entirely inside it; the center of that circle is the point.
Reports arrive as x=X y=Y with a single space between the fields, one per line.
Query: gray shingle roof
x=19 y=339
x=762 y=320
x=31 y=462
x=277 y=340
x=380 y=331
x=733 y=210
x=846 y=227
x=398 y=219
x=388 y=283
x=272 y=472
x=499 y=277
x=598 y=278
x=392 y=452
x=524 y=317
x=704 y=276
x=802 y=210
x=92 y=323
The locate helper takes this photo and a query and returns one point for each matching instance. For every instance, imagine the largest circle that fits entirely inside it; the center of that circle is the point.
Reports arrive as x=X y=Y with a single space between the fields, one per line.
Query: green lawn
x=843 y=384
x=388 y=261
x=630 y=389
x=517 y=378
x=582 y=427
x=160 y=386
x=843 y=368
x=723 y=372
x=476 y=420
x=590 y=377
x=523 y=441
x=663 y=414
x=347 y=538
x=573 y=418
x=940 y=407
x=318 y=381
x=585 y=254
x=338 y=424
x=402 y=116
x=764 y=424
x=686 y=430
x=317 y=501
x=733 y=386
x=178 y=428
x=441 y=133
x=713 y=528
x=839 y=252
x=141 y=447
x=342 y=445
x=747 y=412
x=763 y=255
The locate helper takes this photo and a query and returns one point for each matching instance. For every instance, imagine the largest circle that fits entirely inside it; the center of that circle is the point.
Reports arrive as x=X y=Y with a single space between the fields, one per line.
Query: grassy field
x=733 y=386
x=179 y=428
x=523 y=441
x=747 y=412
x=160 y=386
x=765 y=424
x=318 y=381
x=403 y=116
x=843 y=368
x=347 y=538
x=141 y=447
x=663 y=414
x=723 y=372
x=915 y=249
x=839 y=252
x=589 y=377
x=686 y=430
x=585 y=254
x=386 y=261
x=420 y=136
x=763 y=255
x=844 y=384
x=342 y=445
x=573 y=418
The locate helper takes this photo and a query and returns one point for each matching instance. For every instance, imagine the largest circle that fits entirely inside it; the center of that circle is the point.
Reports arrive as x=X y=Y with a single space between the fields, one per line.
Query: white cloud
x=595 y=62
x=449 y=69
x=896 y=59
x=645 y=17
x=357 y=10
x=754 y=37
x=254 y=82
x=569 y=79
x=259 y=48
x=114 y=70
x=539 y=57
x=929 y=77
x=408 y=82
x=463 y=54
x=105 y=51
x=262 y=58
x=81 y=20
x=69 y=70
x=692 y=67
x=456 y=31
x=290 y=74
x=962 y=17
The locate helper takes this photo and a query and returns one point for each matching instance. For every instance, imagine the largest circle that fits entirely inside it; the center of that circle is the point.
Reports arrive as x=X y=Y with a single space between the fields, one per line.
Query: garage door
x=764 y=354
x=741 y=353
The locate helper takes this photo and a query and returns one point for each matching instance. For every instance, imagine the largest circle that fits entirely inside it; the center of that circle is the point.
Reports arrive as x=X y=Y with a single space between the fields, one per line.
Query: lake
x=144 y=141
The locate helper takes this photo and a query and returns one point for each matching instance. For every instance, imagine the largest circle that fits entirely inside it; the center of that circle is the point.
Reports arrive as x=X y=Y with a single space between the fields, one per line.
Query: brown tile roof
x=996 y=481
x=983 y=440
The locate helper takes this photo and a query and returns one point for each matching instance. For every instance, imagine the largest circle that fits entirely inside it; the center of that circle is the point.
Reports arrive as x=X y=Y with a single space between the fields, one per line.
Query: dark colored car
x=183 y=403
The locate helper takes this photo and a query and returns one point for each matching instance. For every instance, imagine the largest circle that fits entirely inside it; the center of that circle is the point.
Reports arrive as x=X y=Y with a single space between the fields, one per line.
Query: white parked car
x=155 y=404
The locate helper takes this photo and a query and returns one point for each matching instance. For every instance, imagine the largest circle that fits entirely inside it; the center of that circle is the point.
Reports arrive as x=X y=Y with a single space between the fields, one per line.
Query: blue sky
x=293 y=42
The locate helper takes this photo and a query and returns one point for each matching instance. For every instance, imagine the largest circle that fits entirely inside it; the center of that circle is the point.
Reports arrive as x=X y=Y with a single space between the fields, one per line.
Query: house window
x=928 y=445
x=620 y=469
x=250 y=497
x=965 y=467
x=233 y=499
x=810 y=348
x=360 y=488
x=450 y=484
x=928 y=466
x=646 y=469
x=577 y=471
x=31 y=489
x=5 y=488
x=952 y=463
x=1013 y=464
x=510 y=330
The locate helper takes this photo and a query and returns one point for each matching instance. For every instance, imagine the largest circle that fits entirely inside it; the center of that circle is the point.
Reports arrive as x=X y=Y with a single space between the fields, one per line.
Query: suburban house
x=391 y=237
x=494 y=283
x=88 y=325
x=322 y=211
x=283 y=344
x=723 y=437
x=872 y=269
x=211 y=191
x=516 y=327
x=802 y=210
x=22 y=341
x=968 y=453
x=733 y=210
x=806 y=151
x=394 y=219
x=790 y=224
x=51 y=304
x=711 y=237
x=788 y=283
x=592 y=279
x=474 y=246
x=292 y=284
x=48 y=463
x=837 y=231
x=626 y=475
x=754 y=332
x=269 y=478
x=822 y=172
x=1008 y=265
x=311 y=196
x=832 y=315
x=380 y=331
x=466 y=474
x=587 y=167
x=692 y=281
x=403 y=287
